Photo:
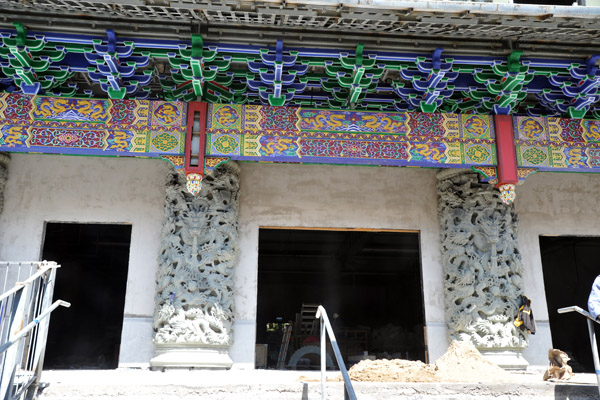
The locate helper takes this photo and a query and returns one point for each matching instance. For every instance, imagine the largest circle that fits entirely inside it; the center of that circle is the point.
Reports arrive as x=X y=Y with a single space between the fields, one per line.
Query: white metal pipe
x=348 y=389
x=592 y=333
x=323 y=358
x=594 y=351
x=33 y=323
x=16 y=320
x=43 y=268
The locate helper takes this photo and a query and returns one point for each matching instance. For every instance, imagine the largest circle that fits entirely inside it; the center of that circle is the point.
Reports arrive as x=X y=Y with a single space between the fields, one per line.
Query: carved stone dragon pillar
x=4 y=160
x=193 y=317
x=482 y=267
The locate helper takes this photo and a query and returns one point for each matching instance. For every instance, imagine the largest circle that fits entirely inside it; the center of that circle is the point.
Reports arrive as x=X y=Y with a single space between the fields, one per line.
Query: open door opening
x=570 y=265
x=93 y=276
x=368 y=281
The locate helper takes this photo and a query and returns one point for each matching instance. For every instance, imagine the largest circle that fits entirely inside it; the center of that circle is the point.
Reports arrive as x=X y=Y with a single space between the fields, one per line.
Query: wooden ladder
x=285 y=342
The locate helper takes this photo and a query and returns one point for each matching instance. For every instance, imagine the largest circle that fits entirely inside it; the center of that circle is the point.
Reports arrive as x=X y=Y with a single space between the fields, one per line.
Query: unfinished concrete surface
x=315 y=196
x=44 y=188
x=284 y=385
x=48 y=188
x=551 y=204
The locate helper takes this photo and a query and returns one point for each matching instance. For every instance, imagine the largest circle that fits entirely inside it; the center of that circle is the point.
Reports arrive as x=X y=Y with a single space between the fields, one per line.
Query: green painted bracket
x=197 y=46
x=25 y=75
x=197 y=51
x=21 y=40
x=427 y=108
x=22 y=58
x=513 y=66
x=276 y=101
x=576 y=114
x=117 y=93
x=348 y=62
x=514 y=63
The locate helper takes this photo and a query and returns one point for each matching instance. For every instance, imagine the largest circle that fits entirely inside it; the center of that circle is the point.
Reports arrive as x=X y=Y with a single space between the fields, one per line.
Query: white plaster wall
x=53 y=188
x=551 y=204
x=44 y=188
x=335 y=196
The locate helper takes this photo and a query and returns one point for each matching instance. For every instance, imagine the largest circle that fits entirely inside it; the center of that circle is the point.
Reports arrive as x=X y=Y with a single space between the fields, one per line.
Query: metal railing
x=326 y=329
x=590 y=322
x=24 y=311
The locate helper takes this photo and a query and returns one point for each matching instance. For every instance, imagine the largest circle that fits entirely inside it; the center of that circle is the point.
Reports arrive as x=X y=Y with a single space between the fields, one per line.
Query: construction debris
x=392 y=371
x=558 y=369
x=462 y=362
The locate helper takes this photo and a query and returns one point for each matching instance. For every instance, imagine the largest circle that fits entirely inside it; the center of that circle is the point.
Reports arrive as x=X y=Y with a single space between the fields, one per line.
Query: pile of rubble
x=461 y=363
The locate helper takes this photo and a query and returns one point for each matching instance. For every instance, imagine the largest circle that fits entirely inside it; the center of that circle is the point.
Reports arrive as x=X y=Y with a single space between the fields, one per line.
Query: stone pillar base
x=184 y=356
x=508 y=359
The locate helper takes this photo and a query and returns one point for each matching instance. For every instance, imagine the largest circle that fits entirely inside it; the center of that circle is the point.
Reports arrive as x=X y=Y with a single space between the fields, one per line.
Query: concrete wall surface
x=551 y=204
x=45 y=188
x=278 y=195
x=51 y=188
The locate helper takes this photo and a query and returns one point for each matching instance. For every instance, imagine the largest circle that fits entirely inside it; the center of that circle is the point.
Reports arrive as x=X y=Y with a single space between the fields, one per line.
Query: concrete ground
x=138 y=384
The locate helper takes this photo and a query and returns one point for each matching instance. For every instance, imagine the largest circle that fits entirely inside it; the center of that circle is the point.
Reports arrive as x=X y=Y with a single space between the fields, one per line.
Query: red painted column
x=195 y=143
x=507 y=157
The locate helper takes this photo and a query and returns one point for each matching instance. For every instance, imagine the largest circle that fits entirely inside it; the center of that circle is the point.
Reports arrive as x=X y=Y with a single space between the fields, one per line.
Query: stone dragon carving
x=481 y=261
x=4 y=160
x=194 y=298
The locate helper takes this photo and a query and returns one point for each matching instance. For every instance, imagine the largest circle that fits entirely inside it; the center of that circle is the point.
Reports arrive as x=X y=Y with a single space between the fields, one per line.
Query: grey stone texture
x=194 y=295
x=481 y=262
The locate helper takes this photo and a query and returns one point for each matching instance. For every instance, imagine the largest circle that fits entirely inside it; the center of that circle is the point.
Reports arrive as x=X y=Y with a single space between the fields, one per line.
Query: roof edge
x=458 y=6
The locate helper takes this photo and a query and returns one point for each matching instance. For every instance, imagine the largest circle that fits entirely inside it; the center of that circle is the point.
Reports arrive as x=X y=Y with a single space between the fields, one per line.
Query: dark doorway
x=370 y=280
x=93 y=276
x=570 y=266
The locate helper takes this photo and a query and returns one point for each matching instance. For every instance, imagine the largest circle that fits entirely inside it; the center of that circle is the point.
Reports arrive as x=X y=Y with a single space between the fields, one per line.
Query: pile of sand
x=461 y=363
x=392 y=371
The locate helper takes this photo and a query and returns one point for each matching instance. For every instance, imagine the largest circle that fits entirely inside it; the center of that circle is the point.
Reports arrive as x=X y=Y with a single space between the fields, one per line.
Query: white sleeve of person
x=594 y=299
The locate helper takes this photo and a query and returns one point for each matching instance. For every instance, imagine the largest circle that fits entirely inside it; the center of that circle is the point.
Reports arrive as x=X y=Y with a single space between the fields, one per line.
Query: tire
x=303 y=351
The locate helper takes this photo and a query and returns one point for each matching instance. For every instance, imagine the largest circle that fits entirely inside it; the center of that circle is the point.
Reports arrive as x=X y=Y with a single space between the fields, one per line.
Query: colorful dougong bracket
x=430 y=83
x=29 y=63
x=194 y=67
x=277 y=74
x=114 y=68
x=211 y=163
x=490 y=175
x=508 y=192
x=504 y=85
x=579 y=90
x=354 y=78
x=486 y=174
x=52 y=64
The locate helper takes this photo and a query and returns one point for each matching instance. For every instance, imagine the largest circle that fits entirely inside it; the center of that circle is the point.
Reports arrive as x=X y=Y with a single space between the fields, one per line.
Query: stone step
x=284 y=385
